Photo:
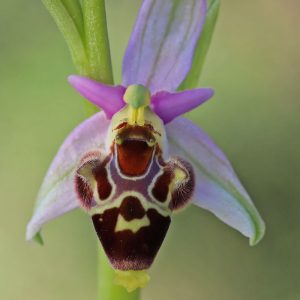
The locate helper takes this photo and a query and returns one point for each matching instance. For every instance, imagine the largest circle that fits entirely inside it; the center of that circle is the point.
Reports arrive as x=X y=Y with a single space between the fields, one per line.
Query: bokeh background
x=254 y=66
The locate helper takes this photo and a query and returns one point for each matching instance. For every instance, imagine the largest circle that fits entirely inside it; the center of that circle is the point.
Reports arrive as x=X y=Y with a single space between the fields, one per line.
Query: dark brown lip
x=127 y=250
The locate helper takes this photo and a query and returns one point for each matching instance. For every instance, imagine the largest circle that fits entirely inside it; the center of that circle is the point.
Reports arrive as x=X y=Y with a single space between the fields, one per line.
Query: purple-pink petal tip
x=107 y=97
x=168 y=106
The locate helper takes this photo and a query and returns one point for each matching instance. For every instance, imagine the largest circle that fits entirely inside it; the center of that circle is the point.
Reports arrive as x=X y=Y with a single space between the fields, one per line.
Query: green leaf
x=83 y=25
x=70 y=32
x=74 y=9
x=192 y=78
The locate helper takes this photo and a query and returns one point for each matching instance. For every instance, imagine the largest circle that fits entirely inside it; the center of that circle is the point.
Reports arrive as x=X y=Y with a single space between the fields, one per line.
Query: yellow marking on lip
x=180 y=175
x=160 y=208
x=131 y=280
x=134 y=225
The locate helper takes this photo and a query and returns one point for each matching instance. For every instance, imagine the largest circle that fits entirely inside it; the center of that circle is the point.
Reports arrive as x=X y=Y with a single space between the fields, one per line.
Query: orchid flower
x=137 y=161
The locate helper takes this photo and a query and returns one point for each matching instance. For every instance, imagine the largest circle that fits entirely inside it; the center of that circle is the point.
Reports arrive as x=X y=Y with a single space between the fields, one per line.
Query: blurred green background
x=254 y=66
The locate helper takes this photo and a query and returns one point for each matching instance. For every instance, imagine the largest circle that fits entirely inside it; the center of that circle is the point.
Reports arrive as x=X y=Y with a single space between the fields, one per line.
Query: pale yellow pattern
x=159 y=207
x=131 y=280
x=134 y=225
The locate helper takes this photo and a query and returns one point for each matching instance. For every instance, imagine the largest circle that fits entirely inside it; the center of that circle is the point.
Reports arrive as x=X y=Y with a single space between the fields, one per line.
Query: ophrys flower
x=136 y=162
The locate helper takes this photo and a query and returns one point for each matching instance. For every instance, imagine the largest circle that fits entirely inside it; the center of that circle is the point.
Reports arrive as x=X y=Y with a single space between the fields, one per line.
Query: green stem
x=107 y=289
x=96 y=40
x=97 y=45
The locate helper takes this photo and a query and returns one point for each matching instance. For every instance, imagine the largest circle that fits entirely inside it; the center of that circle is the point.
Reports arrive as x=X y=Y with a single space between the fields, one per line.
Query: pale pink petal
x=217 y=187
x=57 y=194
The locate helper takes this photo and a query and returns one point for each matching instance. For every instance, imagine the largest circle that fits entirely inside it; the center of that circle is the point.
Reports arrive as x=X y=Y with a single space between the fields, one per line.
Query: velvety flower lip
x=159 y=56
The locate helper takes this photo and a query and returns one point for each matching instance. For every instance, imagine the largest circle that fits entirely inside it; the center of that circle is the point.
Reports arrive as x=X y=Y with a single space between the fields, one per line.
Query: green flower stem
x=96 y=44
x=96 y=40
x=108 y=290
